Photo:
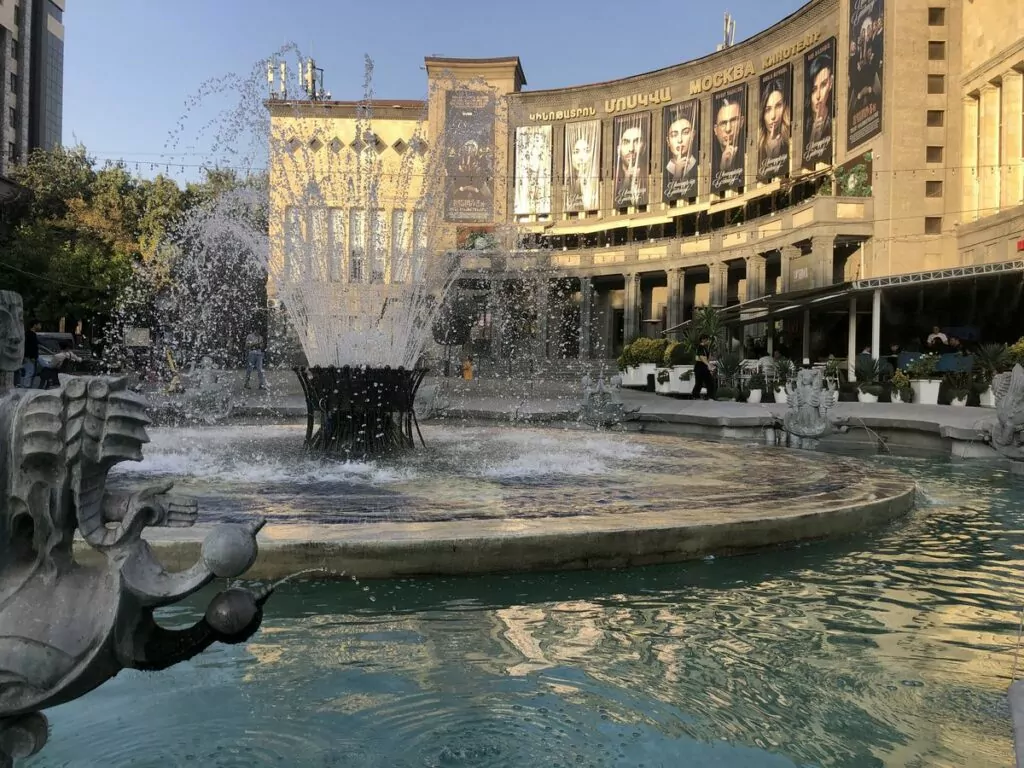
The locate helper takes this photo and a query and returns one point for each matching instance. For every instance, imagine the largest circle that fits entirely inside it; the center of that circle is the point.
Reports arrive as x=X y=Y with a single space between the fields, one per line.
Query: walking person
x=254 y=359
x=31 y=360
x=703 y=379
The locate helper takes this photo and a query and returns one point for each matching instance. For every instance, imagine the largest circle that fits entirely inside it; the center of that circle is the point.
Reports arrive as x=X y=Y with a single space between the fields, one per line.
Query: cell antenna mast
x=730 y=32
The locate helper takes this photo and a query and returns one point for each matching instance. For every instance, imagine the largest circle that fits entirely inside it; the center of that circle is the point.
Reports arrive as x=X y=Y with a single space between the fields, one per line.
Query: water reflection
x=893 y=649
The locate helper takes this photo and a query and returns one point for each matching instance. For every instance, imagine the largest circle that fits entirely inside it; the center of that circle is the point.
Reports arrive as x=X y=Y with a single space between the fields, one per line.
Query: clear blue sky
x=131 y=65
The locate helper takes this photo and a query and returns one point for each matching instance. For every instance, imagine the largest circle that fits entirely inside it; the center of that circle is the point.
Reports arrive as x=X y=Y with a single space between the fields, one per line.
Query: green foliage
x=866 y=370
x=642 y=352
x=1015 y=353
x=783 y=373
x=677 y=353
x=923 y=367
x=729 y=368
x=958 y=384
x=756 y=381
x=664 y=375
x=901 y=384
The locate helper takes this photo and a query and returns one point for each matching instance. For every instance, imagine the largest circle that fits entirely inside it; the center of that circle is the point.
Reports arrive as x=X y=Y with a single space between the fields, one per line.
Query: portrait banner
x=775 y=126
x=582 y=166
x=533 y=170
x=819 y=103
x=865 y=71
x=632 y=141
x=729 y=150
x=469 y=159
x=681 y=128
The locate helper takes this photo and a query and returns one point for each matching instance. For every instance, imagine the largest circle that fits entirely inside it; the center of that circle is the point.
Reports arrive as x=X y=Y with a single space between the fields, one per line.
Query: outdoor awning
x=782 y=304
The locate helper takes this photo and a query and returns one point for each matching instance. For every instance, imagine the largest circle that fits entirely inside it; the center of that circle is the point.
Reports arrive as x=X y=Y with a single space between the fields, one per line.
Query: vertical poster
x=582 y=166
x=819 y=103
x=632 y=141
x=729 y=153
x=469 y=162
x=533 y=170
x=775 y=125
x=681 y=126
x=864 y=112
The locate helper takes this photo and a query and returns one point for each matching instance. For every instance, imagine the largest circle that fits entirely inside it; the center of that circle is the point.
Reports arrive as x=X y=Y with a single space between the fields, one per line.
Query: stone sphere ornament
x=231 y=613
x=230 y=550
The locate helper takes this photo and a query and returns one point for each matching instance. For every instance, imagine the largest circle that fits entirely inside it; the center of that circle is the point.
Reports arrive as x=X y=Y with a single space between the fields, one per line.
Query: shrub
x=923 y=367
x=1015 y=353
x=647 y=351
x=756 y=381
x=866 y=369
x=783 y=373
x=679 y=354
x=901 y=384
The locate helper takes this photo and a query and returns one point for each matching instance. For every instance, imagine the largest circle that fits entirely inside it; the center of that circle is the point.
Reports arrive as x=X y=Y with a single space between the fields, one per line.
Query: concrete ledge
x=433 y=549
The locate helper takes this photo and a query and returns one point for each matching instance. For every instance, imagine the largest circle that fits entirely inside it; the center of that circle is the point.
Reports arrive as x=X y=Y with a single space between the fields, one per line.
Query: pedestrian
x=703 y=380
x=31 y=361
x=254 y=359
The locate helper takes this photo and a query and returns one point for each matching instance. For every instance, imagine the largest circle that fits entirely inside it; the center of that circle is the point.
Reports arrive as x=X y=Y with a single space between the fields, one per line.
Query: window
x=936 y=118
x=12 y=115
x=14 y=49
x=356 y=245
x=936 y=17
x=933 y=189
x=12 y=151
x=378 y=231
x=936 y=83
x=933 y=225
x=399 y=252
x=936 y=50
x=934 y=155
x=14 y=83
x=337 y=246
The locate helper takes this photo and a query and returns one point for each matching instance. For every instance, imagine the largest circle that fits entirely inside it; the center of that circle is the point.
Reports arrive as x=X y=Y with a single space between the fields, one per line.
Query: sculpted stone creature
x=809 y=416
x=1006 y=431
x=67 y=624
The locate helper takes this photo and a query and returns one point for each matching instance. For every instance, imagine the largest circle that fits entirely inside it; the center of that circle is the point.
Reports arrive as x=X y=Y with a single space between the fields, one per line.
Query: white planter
x=926 y=391
x=959 y=402
x=987 y=399
x=663 y=388
x=866 y=397
x=640 y=374
x=781 y=396
x=895 y=397
x=678 y=386
x=754 y=397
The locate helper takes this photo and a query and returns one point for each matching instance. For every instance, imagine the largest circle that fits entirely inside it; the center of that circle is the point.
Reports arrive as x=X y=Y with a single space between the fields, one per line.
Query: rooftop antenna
x=730 y=32
x=313 y=81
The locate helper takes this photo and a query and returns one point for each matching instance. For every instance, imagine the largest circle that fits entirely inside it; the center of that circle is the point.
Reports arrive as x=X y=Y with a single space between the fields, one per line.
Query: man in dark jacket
x=31 y=364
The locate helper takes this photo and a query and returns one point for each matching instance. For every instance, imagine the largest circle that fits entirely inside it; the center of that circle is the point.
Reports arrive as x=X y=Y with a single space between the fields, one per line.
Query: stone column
x=969 y=180
x=675 y=299
x=876 y=323
x=988 y=160
x=586 y=316
x=718 y=290
x=755 y=276
x=1012 y=95
x=789 y=252
x=851 y=340
x=822 y=248
x=542 y=297
x=631 y=315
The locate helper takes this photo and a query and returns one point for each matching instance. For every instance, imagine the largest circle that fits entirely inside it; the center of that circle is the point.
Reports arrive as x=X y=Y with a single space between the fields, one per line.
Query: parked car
x=49 y=345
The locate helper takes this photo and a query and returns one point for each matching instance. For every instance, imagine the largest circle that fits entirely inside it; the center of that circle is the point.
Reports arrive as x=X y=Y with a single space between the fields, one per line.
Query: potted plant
x=639 y=361
x=924 y=382
x=679 y=359
x=755 y=387
x=728 y=370
x=662 y=381
x=783 y=375
x=989 y=359
x=868 y=388
x=901 y=390
x=832 y=372
x=958 y=384
x=726 y=394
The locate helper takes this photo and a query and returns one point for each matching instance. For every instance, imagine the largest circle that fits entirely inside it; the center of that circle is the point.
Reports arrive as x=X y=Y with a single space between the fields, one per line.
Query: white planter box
x=895 y=397
x=959 y=402
x=781 y=396
x=755 y=396
x=926 y=391
x=866 y=397
x=677 y=385
x=666 y=387
x=636 y=376
x=987 y=399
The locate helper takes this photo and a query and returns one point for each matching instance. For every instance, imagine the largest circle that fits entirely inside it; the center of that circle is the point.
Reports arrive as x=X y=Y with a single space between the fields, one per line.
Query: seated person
x=937 y=341
x=48 y=373
x=956 y=346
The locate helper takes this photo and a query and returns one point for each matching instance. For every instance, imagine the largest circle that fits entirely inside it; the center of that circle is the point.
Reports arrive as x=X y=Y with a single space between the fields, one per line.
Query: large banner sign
x=632 y=142
x=533 y=170
x=582 y=166
x=681 y=124
x=819 y=103
x=469 y=132
x=864 y=113
x=775 y=126
x=728 y=153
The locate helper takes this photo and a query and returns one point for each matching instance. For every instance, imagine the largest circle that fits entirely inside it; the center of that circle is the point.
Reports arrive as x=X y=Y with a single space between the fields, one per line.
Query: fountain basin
x=486 y=500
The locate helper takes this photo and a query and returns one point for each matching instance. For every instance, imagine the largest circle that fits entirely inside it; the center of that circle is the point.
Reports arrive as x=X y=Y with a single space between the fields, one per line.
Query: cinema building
x=851 y=175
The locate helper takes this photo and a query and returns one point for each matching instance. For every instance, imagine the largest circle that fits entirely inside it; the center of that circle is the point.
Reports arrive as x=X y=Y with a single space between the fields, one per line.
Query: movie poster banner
x=819 y=103
x=864 y=114
x=582 y=166
x=533 y=170
x=632 y=141
x=469 y=131
x=776 y=124
x=728 y=153
x=681 y=125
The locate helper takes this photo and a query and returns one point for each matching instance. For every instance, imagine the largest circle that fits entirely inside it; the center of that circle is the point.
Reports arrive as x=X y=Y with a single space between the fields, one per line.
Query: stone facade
x=939 y=184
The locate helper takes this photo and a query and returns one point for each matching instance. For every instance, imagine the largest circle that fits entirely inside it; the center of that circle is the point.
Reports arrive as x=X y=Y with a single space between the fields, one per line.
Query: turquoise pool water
x=890 y=649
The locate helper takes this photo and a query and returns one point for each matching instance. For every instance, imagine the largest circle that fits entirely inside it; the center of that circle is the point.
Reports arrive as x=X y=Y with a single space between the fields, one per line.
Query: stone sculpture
x=809 y=416
x=603 y=407
x=67 y=626
x=1006 y=431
